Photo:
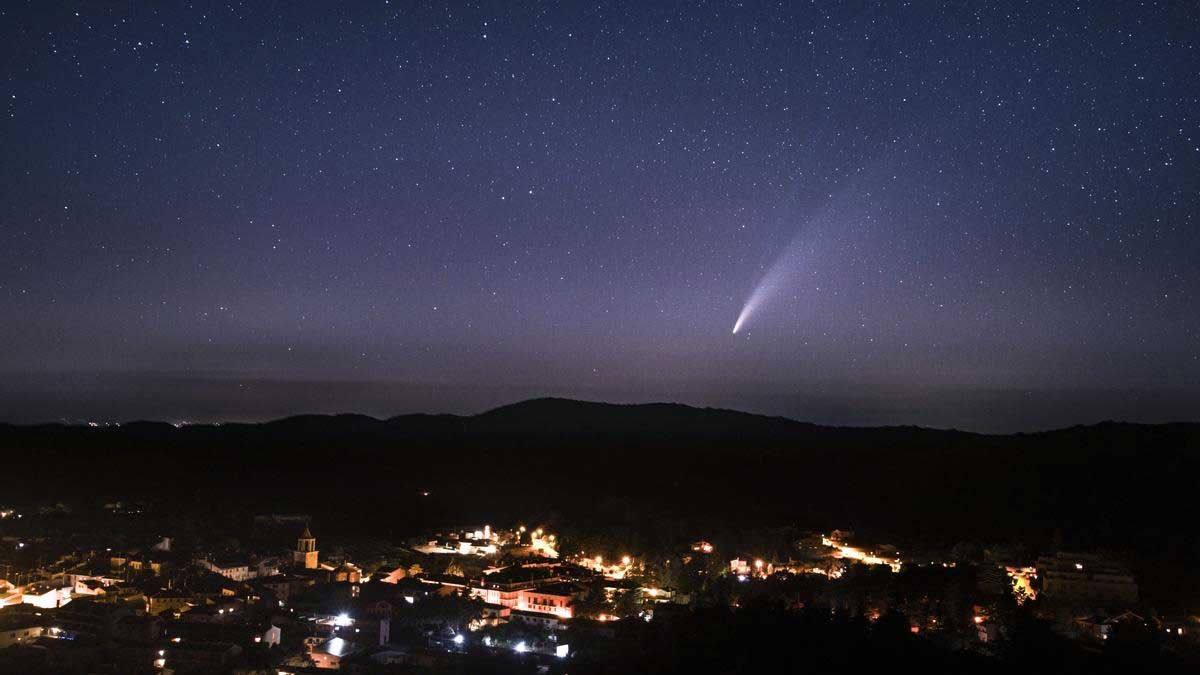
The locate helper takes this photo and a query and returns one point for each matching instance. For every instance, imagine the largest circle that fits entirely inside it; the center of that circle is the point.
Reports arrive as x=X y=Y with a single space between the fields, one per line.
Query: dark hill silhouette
x=554 y=418
x=1117 y=484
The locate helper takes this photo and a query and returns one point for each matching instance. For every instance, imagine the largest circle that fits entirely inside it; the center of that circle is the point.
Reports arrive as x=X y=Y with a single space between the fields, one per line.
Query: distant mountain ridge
x=1114 y=484
x=570 y=418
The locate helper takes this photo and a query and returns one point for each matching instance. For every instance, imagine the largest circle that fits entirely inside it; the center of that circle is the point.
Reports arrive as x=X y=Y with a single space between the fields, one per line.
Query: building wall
x=49 y=600
x=496 y=596
x=306 y=558
x=1086 y=577
x=160 y=605
x=12 y=636
x=1100 y=588
x=533 y=600
x=236 y=573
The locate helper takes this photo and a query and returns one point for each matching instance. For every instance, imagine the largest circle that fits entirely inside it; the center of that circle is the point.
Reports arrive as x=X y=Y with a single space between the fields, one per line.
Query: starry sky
x=979 y=215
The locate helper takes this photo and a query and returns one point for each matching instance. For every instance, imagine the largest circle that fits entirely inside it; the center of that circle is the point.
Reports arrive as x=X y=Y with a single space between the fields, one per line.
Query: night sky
x=979 y=215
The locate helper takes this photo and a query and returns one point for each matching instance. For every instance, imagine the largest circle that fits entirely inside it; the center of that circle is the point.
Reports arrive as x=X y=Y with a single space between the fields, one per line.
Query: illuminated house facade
x=556 y=599
x=46 y=596
x=168 y=600
x=18 y=631
x=234 y=568
x=549 y=596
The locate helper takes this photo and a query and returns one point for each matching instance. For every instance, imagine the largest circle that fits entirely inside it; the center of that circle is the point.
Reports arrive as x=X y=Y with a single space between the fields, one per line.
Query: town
x=130 y=595
x=599 y=338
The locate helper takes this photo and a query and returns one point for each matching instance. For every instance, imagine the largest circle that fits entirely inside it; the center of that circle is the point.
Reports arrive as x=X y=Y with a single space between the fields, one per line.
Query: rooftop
x=338 y=647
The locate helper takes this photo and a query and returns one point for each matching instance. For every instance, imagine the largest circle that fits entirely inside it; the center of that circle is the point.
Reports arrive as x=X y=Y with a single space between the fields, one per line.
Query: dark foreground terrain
x=684 y=489
x=1122 y=486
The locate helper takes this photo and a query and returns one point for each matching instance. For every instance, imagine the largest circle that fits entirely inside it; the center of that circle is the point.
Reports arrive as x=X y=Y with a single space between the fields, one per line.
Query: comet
x=819 y=231
x=748 y=309
x=785 y=266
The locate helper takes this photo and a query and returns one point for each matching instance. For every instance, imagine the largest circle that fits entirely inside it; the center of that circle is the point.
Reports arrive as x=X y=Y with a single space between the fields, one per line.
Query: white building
x=46 y=597
x=237 y=569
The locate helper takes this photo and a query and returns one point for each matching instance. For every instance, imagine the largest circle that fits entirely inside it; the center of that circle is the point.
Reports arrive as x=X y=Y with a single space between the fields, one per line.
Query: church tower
x=306 y=550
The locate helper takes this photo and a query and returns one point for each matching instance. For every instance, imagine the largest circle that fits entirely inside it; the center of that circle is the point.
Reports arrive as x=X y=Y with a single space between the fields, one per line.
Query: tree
x=592 y=604
x=628 y=603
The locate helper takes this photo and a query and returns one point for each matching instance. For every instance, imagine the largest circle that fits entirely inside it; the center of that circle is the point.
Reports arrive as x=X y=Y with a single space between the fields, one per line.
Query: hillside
x=1110 y=482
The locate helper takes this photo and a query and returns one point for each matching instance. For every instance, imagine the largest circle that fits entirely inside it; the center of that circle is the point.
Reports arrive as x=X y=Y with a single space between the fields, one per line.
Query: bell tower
x=306 y=550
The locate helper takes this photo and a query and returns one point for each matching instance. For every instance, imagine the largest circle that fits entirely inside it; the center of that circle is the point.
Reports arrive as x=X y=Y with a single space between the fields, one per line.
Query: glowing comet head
x=764 y=287
x=747 y=309
x=737 y=325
